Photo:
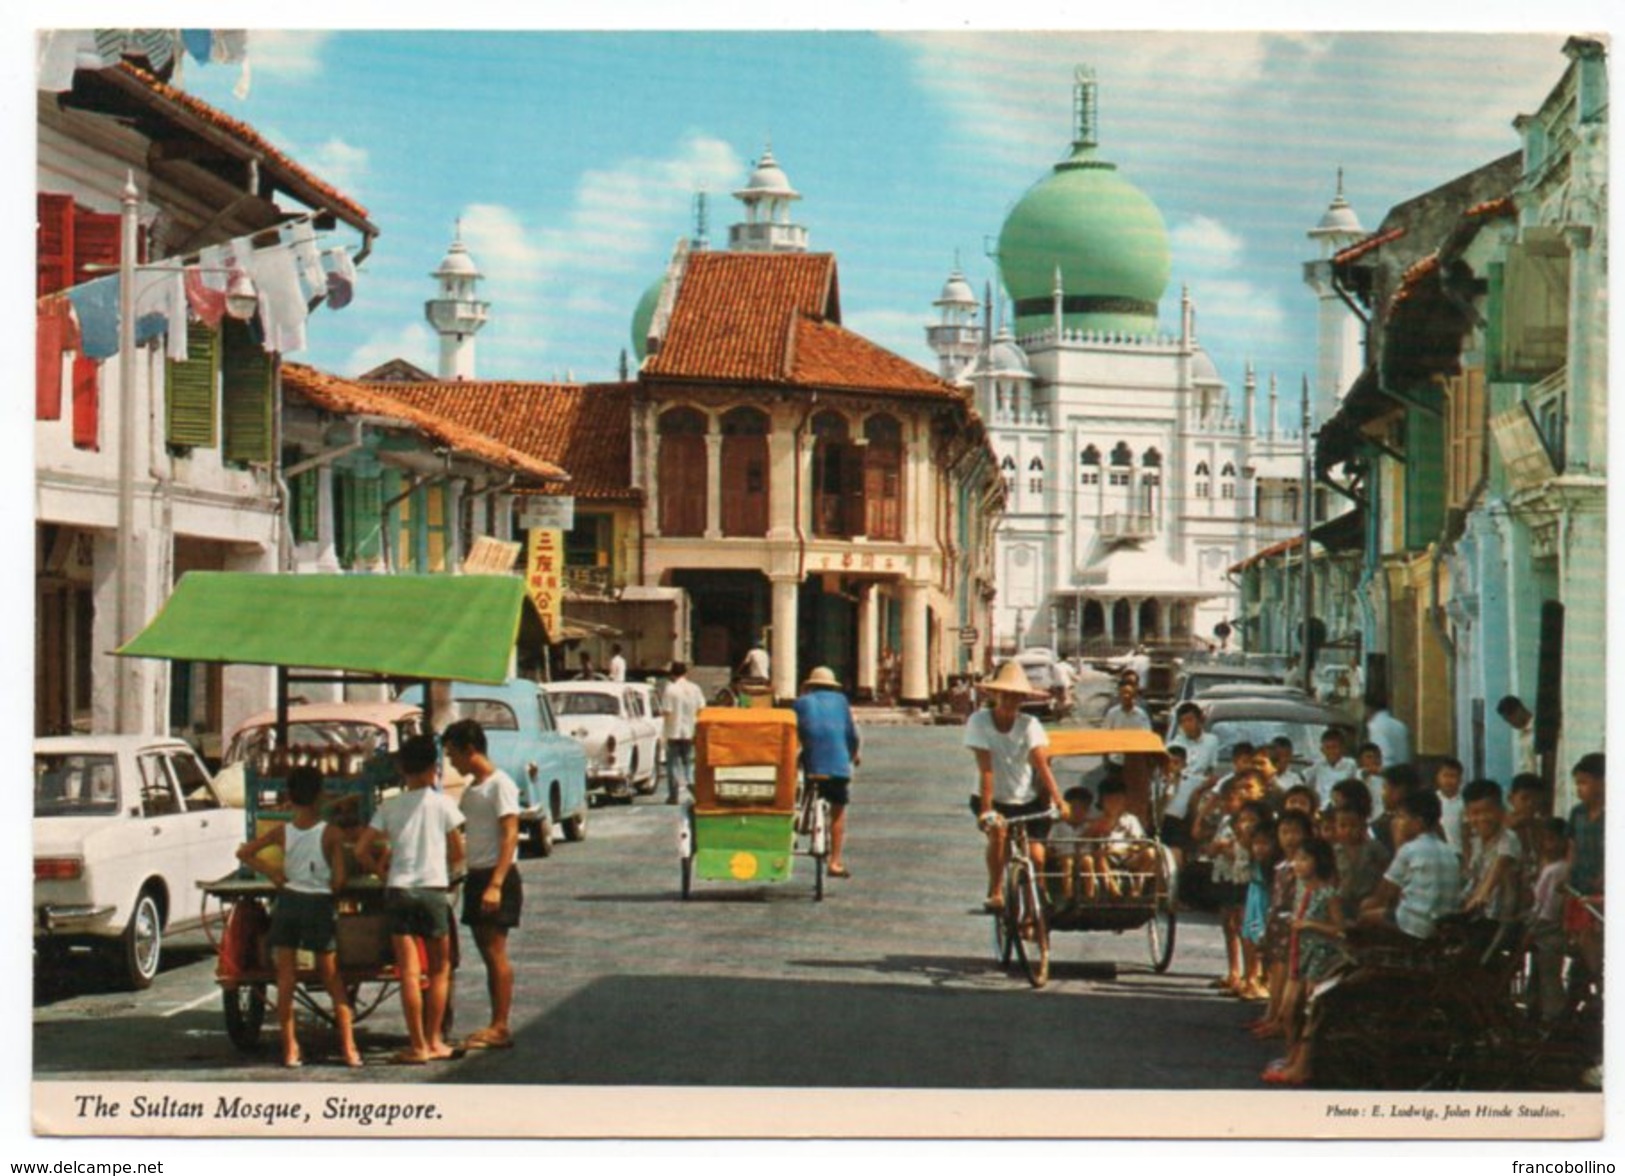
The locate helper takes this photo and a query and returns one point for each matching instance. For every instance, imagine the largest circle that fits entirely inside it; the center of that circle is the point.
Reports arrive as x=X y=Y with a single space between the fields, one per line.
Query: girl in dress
x=1317 y=926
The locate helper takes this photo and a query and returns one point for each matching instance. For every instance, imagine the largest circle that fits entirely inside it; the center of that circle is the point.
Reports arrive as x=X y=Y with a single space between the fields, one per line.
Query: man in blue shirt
x=829 y=753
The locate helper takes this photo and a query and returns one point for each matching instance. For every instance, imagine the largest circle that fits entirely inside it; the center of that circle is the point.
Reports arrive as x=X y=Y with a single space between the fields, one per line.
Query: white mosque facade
x=1133 y=480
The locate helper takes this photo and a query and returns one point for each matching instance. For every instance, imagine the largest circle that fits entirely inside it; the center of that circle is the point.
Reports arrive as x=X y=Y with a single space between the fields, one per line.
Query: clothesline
x=289 y=278
x=60 y=52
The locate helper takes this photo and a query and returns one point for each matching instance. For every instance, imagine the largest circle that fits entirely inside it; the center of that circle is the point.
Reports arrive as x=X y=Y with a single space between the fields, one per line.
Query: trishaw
x=1060 y=897
x=338 y=631
x=749 y=818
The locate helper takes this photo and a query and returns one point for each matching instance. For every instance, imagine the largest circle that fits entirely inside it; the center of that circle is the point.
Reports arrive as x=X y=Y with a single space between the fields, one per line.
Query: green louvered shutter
x=189 y=390
x=368 y=518
x=246 y=399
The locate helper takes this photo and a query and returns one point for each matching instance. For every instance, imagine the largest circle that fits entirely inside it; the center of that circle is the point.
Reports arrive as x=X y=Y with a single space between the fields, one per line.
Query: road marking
x=207 y=996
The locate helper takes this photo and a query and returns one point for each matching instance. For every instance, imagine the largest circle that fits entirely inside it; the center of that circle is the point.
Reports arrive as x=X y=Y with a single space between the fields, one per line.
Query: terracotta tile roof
x=586 y=428
x=1360 y=248
x=1269 y=552
x=329 y=197
x=735 y=311
x=774 y=318
x=1414 y=275
x=1505 y=206
x=830 y=356
x=349 y=396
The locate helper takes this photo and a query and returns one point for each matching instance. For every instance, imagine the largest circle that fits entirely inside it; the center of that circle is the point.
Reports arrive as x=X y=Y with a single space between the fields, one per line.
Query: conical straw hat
x=1012 y=679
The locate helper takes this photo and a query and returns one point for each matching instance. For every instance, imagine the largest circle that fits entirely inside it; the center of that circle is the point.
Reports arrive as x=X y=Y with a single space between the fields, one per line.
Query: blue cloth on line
x=198 y=42
x=96 y=304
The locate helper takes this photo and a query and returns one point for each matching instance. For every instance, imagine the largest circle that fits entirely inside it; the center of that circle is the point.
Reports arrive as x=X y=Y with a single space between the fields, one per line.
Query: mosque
x=1132 y=482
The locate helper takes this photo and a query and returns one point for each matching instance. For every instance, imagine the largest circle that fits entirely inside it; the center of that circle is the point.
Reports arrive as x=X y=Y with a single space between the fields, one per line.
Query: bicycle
x=1021 y=927
x=812 y=824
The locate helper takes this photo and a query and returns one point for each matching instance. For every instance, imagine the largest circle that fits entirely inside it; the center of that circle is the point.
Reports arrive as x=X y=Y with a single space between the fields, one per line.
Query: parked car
x=333 y=728
x=125 y=827
x=1259 y=720
x=524 y=740
x=1252 y=690
x=617 y=726
x=1044 y=672
x=1194 y=679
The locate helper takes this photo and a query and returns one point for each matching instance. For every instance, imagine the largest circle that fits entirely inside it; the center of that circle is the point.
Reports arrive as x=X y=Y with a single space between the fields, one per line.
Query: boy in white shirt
x=1334 y=765
x=423 y=847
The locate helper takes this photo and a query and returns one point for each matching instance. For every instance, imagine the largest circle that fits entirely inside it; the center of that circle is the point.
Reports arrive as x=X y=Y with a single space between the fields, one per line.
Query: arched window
x=837 y=497
x=883 y=477
x=1202 y=470
x=1151 y=459
x=682 y=471
x=1122 y=455
x=1037 y=464
x=1229 y=470
x=1009 y=463
x=744 y=486
x=1090 y=456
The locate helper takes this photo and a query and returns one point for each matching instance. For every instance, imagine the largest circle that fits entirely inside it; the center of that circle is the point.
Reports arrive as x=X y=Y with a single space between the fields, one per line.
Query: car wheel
x=142 y=944
x=575 y=828
x=541 y=837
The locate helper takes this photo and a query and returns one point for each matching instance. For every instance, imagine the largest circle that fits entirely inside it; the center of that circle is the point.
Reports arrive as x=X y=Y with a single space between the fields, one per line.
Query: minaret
x=1340 y=354
x=955 y=336
x=767 y=197
x=457 y=315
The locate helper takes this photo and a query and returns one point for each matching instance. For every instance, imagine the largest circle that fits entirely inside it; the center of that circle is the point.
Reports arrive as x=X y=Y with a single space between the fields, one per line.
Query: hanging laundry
x=228 y=46
x=160 y=306
x=207 y=305
x=156 y=45
x=58 y=54
x=199 y=43
x=96 y=305
x=282 y=305
x=340 y=276
x=215 y=264
x=56 y=333
x=112 y=44
x=300 y=238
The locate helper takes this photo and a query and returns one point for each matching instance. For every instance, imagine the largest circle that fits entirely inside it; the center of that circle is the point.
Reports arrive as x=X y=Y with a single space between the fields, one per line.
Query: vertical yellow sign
x=544 y=576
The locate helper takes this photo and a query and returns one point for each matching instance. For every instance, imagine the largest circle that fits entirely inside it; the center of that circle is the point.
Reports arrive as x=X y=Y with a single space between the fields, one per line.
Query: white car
x=125 y=827
x=618 y=726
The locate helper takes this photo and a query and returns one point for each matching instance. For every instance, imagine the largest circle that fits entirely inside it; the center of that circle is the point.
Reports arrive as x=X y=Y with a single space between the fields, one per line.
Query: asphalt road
x=889 y=982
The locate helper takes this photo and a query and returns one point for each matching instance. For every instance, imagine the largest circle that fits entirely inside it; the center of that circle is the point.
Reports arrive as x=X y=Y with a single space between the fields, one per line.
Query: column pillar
x=916 y=670
x=327 y=556
x=783 y=651
x=1108 y=609
x=713 y=485
x=1134 y=621
x=868 y=641
x=1164 y=620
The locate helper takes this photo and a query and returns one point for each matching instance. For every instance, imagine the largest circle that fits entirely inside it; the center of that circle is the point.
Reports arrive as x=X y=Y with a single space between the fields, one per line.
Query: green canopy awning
x=459 y=628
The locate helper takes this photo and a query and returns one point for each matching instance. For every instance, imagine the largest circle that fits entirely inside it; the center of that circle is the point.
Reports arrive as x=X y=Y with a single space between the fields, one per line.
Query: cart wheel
x=245 y=1014
x=1029 y=929
x=818 y=877
x=688 y=876
x=1003 y=940
x=1164 y=921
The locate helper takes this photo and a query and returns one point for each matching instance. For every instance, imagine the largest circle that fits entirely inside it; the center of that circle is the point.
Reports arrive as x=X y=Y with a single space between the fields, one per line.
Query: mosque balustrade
x=1124 y=526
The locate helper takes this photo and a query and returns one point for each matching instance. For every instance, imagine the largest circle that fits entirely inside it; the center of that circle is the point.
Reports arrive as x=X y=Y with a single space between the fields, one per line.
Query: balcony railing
x=1126 y=526
x=588 y=581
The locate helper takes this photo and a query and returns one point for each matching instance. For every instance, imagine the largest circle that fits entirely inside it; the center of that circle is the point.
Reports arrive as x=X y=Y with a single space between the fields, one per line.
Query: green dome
x=1105 y=235
x=643 y=316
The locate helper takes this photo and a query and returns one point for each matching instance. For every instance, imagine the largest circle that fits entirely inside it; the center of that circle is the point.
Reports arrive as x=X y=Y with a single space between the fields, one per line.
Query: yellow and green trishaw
x=746 y=822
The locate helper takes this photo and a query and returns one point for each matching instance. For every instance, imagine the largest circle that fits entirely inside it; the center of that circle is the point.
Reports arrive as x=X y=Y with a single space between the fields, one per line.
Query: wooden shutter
x=189 y=416
x=744 y=485
x=434 y=527
x=682 y=485
x=369 y=518
x=246 y=400
x=95 y=243
x=86 y=391
x=852 y=478
x=54 y=244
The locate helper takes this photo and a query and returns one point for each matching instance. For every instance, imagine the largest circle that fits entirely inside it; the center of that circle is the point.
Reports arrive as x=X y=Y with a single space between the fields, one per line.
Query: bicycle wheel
x=1029 y=929
x=1164 y=921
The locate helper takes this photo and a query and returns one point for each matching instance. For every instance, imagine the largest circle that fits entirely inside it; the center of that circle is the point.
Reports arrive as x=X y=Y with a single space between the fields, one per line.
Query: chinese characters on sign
x=544 y=575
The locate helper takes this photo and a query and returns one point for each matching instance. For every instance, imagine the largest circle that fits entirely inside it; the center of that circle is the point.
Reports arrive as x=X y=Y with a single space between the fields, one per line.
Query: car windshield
x=75 y=785
x=1041 y=675
x=1305 y=736
x=315 y=735
x=584 y=702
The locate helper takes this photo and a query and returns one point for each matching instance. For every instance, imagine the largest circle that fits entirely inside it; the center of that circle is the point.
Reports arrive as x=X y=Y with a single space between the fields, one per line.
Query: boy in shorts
x=423 y=847
x=492 y=894
x=305 y=917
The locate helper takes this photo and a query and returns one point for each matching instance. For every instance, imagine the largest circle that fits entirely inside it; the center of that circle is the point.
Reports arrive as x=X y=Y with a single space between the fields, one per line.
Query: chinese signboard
x=547 y=512
x=490 y=557
x=544 y=575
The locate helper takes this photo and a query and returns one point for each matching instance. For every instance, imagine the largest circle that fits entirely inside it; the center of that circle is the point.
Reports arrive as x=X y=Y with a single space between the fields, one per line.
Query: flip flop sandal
x=839 y=872
x=407 y=1058
x=476 y=1041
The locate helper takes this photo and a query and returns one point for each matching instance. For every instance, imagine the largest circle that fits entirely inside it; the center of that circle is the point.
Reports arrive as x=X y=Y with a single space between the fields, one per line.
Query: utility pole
x=126 y=715
x=1307 y=645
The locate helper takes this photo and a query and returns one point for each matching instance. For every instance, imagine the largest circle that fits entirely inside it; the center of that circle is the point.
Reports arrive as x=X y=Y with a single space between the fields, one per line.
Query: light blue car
x=523 y=740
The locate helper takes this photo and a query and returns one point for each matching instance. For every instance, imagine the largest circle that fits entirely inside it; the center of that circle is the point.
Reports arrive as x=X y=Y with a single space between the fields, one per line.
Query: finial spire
x=1085 y=109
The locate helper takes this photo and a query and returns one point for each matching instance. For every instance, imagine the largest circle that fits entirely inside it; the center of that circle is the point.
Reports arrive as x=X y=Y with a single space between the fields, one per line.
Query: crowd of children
x=1294 y=861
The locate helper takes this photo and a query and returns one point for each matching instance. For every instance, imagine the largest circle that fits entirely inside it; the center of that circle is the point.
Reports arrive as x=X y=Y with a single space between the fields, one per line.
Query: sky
x=571 y=159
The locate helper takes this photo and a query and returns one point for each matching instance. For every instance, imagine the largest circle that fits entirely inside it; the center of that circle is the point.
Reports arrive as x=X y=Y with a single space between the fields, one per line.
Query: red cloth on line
x=56 y=331
x=86 y=390
x=207 y=304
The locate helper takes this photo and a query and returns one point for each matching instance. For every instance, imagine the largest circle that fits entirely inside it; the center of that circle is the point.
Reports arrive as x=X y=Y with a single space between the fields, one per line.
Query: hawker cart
x=334 y=631
x=1112 y=883
x=747 y=822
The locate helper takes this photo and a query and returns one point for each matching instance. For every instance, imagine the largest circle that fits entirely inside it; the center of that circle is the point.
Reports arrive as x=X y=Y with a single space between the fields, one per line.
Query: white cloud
x=543 y=278
x=287 y=53
x=1204 y=244
x=341 y=164
x=415 y=343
